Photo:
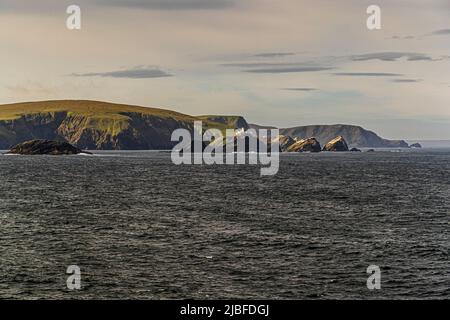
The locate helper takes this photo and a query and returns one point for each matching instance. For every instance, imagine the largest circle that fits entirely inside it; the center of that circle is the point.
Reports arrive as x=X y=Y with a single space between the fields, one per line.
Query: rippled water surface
x=140 y=227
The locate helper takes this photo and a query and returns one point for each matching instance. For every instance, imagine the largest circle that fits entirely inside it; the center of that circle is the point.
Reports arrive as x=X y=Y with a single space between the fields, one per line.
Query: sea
x=139 y=227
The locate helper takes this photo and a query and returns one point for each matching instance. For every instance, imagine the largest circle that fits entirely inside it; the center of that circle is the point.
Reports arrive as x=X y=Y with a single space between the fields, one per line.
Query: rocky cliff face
x=135 y=131
x=29 y=127
x=98 y=125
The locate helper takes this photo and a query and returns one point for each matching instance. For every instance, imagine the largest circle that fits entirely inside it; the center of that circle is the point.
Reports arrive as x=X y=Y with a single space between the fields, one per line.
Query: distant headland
x=97 y=125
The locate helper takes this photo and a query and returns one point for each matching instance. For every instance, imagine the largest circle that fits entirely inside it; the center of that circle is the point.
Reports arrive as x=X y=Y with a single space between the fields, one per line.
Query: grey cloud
x=402 y=37
x=30 y=7
x=406 y=80
x=263 y=64
x=274 y=54
x=58 y=5
x=278 y=67
x=367 y=74
x=170 y=4
x=391 y=56
x=420 y=58
x=299 y=89
x=141 y=73
x=441 y=32
x=289 y=69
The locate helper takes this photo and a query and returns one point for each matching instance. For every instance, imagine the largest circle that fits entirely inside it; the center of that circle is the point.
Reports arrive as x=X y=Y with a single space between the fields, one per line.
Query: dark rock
x=45 y=147
x=305 y=145
x=355 y=150
x=370 y=150
x=416 y=145
x=337 y=144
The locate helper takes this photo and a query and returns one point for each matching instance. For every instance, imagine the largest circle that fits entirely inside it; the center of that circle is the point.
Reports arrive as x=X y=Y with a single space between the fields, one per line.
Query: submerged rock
x=416 y=145
x=355 y=150
x=305 y=145
x=45 y=147
x=337 y=144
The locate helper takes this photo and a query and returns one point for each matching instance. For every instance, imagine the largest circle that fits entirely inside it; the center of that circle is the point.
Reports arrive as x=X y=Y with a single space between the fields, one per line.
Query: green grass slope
x=95 y=109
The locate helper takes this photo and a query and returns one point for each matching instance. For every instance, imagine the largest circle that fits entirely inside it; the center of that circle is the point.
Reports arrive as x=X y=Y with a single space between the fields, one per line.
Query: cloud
x=402 y=37
x=58 y=5
x=43 y=6
x=265 y=64
x=288 y=69
x=137 y=73
x=257 y=64
x=299 y=89
x=278 y=67
x=367 y=74
x=30 y=88
x=441 y=32
x=274 y=54
x=391 y=56
x=406 y=80
x=170 y=4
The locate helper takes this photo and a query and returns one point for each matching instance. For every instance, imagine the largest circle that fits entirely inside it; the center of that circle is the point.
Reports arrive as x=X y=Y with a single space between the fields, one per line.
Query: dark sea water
x=140 y=227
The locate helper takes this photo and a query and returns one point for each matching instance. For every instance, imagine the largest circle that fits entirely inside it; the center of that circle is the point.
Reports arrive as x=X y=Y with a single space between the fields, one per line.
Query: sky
x=284 y=63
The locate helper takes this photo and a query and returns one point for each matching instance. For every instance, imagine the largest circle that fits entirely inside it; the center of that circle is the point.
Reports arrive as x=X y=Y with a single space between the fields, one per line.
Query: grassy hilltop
x=88 y=108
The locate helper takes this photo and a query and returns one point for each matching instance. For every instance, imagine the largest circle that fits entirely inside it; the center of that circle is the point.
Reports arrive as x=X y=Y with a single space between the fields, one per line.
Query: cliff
x=96 y=125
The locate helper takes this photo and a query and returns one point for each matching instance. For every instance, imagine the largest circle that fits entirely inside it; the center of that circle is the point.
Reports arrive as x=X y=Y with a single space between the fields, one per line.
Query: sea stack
x=337 y=144
x=45 y=147
x=285 y=142
x=305 y=145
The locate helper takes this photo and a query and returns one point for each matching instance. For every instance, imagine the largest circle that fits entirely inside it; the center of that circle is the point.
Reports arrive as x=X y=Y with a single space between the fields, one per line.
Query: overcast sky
x=283 y=63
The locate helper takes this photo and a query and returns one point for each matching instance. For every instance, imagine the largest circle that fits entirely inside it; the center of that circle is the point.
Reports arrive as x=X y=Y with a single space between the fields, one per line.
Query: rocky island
x=45 y=147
